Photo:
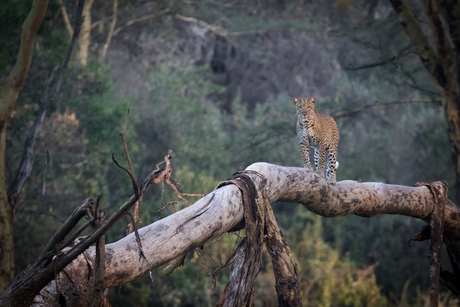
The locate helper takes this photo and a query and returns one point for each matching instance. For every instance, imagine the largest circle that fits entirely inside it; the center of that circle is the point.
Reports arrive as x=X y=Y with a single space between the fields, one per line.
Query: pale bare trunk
x=85 y=35
x=221 y=210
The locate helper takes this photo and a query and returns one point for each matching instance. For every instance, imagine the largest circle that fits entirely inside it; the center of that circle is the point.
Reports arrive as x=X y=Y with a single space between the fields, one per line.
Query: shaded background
x=214 y=81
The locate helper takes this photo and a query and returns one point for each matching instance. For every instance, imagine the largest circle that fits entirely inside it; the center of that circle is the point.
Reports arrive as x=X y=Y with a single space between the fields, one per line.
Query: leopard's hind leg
x=331 y=166
x=320 y=160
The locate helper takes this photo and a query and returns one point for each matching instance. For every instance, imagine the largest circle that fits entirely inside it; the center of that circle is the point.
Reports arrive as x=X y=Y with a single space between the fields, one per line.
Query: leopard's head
x=305 y=106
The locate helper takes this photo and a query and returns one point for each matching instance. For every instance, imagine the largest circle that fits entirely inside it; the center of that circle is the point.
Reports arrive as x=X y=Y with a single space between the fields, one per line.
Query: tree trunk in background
x=6 y=222
x=442 y=63
x=85 y=35
x=9 y=92
x=451 y=111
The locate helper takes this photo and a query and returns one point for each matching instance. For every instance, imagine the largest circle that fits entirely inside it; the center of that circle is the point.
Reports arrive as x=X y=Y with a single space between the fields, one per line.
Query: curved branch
x=401 y=53
x=110 y=35
x=221 y=210
x=9 y=91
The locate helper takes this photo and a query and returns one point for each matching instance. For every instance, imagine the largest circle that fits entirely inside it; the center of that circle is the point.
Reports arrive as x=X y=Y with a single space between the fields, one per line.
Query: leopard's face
x=305 y=106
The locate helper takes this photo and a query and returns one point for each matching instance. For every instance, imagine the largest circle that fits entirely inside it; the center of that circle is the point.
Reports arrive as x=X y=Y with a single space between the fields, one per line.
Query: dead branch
x=131 y=173
x=247 y=259
x=401 y=53
x=179 y=261
x=28 y=283
x=384 y=103
x=27 y=159
x=111 y=32
x=166 y=175
x=65 y=17
x=214 y=29
x=284 y=266
x=97 y=221
x=220 y=211
x=143 y=18
x=440 y=192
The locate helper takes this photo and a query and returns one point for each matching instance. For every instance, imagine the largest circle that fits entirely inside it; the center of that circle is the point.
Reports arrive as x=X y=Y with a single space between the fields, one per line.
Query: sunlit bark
x=221 y=210
x=85 y=36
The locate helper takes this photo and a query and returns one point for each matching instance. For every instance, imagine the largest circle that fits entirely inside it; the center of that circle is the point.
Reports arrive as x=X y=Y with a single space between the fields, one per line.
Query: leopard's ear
x=295 y=100
x=313 y=99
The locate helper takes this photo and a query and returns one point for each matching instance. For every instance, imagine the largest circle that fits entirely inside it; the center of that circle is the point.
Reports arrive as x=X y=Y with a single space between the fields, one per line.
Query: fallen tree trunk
x=220 y=211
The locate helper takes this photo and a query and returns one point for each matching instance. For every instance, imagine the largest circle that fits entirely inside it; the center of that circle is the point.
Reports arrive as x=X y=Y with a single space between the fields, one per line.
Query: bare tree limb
x=247 y=258
x=125 y=147
x=143 y=18
x=28 y=283
x=98 y=220
x=383 y=103
x=214 y=29
x=111 y=31
x=284 y=266
x=65 y=17
x=381 y=63
x=220 y=211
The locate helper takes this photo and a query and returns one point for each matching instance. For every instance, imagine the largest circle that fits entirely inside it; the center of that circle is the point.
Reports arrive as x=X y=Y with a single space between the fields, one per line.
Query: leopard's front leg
x=305 y=156
x=304 y=147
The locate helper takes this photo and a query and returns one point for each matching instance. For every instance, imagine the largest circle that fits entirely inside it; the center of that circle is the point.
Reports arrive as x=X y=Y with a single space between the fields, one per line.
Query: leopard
x=321 y=132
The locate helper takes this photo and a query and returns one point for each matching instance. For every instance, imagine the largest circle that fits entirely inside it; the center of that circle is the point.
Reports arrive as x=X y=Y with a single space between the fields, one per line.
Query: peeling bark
x=221 y=210
x=284 y=266
x=247 y=259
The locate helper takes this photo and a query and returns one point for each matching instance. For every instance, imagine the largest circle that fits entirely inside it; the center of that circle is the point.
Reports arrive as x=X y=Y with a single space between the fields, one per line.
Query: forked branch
x=222 y=210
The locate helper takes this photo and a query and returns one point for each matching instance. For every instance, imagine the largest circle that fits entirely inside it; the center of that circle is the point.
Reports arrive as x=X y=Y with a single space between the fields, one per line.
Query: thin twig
x=125 y=147
x=401 y=53
x=214 y=29
x=138 y=238
x=131 y=175
x=147 y=17
x=383 y=103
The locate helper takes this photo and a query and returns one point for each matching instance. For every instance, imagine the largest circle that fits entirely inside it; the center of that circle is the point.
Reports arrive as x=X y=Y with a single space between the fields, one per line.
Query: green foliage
x=328 y=277
x=12 y=15
x=349 y=261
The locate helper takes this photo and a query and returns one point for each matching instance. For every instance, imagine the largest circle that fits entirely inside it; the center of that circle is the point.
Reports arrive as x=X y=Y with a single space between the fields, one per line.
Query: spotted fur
x=319 y=131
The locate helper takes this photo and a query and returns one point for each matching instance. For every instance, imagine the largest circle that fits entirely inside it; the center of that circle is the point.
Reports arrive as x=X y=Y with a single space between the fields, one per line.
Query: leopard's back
x=327 y=132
